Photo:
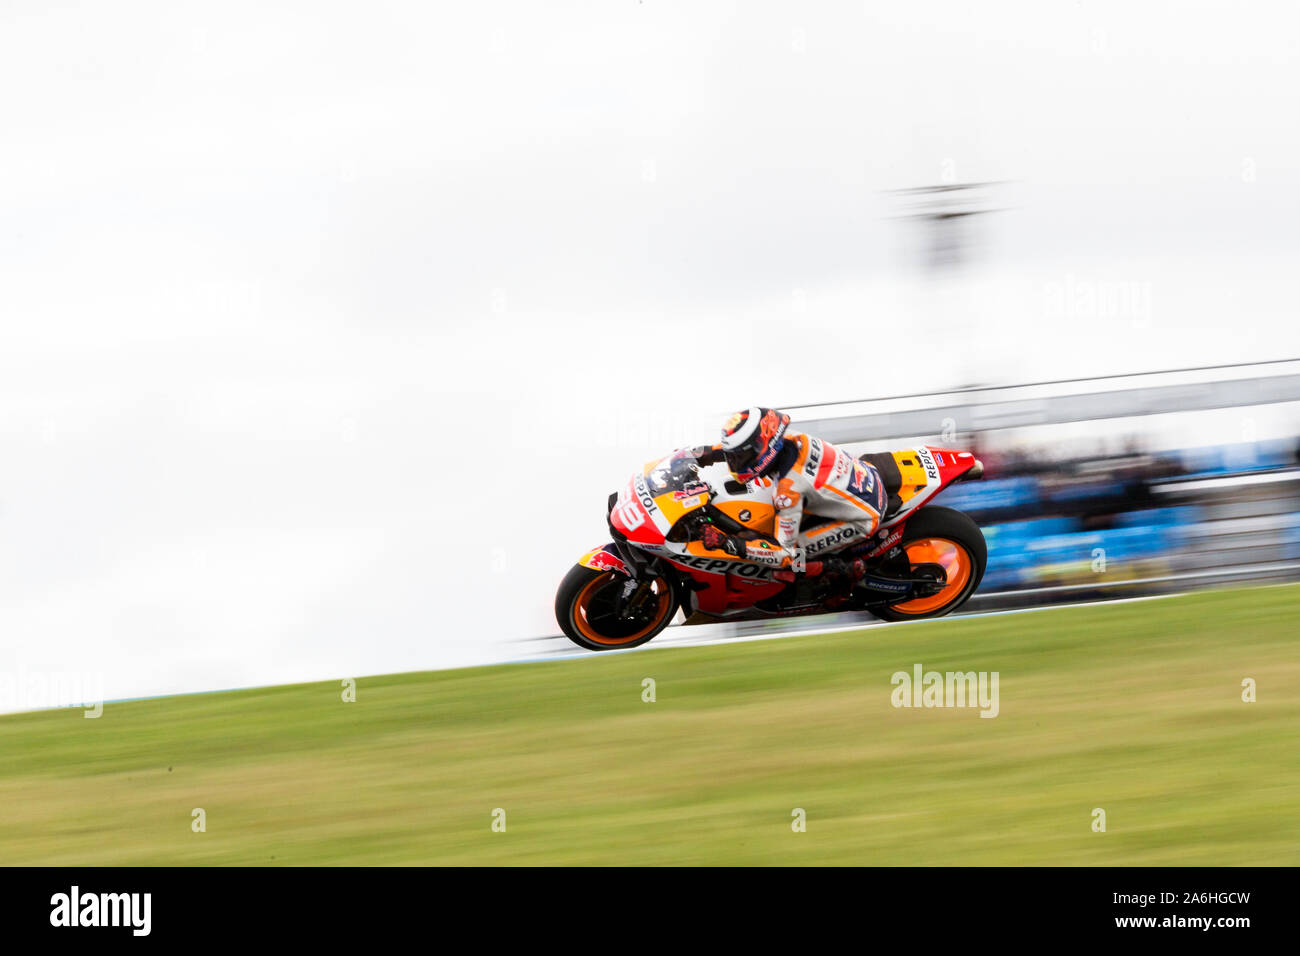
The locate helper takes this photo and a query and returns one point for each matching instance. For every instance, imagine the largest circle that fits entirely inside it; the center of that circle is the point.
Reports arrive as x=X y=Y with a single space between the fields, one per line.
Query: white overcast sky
x=326 y=328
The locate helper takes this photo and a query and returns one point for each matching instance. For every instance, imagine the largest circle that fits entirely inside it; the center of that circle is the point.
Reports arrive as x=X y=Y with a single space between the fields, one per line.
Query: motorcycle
x=923 y=561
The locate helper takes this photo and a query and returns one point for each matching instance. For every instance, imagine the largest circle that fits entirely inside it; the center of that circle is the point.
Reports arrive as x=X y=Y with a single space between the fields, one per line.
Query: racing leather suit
x=813 y=476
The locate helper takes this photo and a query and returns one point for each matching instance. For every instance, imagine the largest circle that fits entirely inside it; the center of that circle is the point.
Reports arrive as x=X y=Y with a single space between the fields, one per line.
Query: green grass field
x=1134 y=708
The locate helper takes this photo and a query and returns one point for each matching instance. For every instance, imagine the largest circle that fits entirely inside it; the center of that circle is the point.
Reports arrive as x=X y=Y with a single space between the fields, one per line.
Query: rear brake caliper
x=930 y=579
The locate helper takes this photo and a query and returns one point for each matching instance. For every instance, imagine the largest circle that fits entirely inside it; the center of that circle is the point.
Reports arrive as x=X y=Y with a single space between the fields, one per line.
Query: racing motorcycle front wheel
x=952 y=541
x=605 y=610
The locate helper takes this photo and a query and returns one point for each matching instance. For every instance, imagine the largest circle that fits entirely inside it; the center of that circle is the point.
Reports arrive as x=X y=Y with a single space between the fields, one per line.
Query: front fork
x=631 y=596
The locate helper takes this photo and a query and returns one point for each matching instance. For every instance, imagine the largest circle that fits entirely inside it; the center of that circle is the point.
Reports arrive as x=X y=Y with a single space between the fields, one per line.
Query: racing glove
x=708 y=454
x=715 y=539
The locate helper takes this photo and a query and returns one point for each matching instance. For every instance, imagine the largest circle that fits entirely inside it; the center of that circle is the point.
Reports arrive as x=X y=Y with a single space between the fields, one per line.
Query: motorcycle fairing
x=925 y=471
x=652 y=502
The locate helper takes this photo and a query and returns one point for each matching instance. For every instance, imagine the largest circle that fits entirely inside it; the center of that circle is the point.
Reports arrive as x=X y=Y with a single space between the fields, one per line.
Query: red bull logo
x=602 y=560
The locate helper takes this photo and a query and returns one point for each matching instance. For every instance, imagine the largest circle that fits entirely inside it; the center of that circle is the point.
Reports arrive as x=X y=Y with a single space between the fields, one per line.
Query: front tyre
x=952 y=540
x=586 y=609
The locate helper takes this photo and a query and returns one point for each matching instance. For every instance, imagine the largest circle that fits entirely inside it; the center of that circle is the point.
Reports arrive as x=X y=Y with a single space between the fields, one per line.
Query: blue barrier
x=1017 y=549
x=1236 y=459
x=992 y=495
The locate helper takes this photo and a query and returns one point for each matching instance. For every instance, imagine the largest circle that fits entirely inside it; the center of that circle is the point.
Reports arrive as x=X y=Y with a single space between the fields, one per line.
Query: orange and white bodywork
x=862 y=507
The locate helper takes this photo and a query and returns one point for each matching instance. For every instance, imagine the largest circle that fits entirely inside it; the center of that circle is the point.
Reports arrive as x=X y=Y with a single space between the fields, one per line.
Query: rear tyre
x=952 y=540
x=584 y=608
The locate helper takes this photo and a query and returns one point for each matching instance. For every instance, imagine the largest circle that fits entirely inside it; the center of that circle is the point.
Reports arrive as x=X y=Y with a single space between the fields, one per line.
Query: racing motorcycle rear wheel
x=952 y=541
x=587 y=607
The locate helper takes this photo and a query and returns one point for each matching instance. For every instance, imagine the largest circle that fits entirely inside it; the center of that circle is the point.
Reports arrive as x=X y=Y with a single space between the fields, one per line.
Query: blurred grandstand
x=1064 y=525
x=1182 y=517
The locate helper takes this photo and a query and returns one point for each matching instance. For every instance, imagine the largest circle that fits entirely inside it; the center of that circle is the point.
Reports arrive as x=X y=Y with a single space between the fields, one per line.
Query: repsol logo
x=718 y=566
x=931 y=470
x=814 y=457
x=831 y=540
x=643 y=495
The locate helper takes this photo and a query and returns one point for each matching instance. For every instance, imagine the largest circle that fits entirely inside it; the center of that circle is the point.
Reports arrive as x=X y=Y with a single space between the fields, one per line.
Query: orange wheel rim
x=582 y=605
x=952 y=557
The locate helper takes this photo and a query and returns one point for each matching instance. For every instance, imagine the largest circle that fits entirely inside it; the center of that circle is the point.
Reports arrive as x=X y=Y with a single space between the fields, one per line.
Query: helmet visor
x=741 y=460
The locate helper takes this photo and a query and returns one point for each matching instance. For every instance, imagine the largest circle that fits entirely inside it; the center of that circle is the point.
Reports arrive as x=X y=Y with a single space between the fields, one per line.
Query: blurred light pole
x=943 y=236
x=944 y=216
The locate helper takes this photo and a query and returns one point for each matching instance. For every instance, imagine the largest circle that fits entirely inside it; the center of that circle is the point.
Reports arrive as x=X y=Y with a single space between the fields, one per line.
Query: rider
x=807 y=475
